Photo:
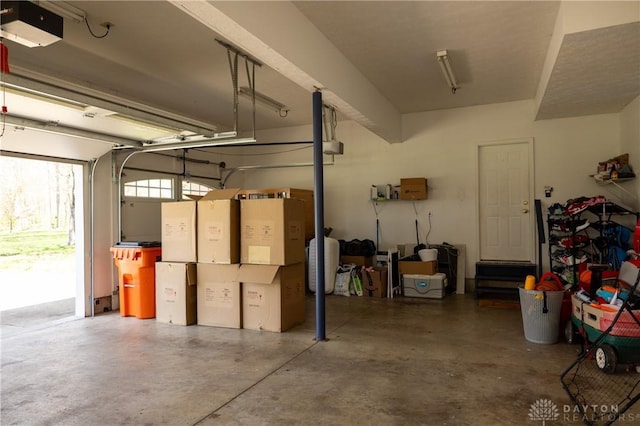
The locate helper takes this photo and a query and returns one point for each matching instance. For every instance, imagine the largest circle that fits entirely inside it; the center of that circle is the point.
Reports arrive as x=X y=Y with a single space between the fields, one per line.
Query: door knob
x=525 y=210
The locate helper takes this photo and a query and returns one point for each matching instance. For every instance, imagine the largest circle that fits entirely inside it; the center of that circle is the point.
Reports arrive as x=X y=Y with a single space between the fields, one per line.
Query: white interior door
x=505 y=207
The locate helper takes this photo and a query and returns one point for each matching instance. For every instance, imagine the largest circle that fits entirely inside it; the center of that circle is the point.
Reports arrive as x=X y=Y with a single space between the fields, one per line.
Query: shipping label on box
x=259 y=230
x=176 y=229
x=219 y=296
x=213 y=231
x=259 y=255
x=255 y=297
x=169 y=294
x=295 y=230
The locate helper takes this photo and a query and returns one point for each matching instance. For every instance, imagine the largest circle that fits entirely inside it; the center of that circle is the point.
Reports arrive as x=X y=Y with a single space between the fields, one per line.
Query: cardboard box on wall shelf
x=374 y=282
x=413 y=189
x=176 y=293
x=219 y=227
x=358 y=260
x=179 y=236
x=272 y=231
x=415 y=267
x=273 y=297
x=219 y=295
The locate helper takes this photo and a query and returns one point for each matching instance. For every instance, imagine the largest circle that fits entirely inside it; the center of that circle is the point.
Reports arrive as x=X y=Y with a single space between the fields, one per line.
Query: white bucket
x=427 y=255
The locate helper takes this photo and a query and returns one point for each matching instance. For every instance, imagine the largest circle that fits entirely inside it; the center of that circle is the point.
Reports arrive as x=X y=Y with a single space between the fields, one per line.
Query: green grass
x=34 y=243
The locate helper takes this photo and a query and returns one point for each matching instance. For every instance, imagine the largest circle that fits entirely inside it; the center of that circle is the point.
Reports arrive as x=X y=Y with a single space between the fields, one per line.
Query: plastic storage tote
x=541 y=315
x=136 y=264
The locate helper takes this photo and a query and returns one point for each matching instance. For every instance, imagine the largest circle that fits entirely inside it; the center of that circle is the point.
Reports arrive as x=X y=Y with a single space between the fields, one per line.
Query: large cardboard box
x=303 y=194
x=219 y=295
x=219 y=227
x=176 y=293
x=374 y=282
x=413 y=189
x=417 y=267
x=273 y=297
x=272 y=231
x=179 y=239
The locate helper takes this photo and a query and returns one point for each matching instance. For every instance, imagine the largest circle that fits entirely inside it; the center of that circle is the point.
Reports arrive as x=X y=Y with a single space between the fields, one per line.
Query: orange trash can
x=136 y=264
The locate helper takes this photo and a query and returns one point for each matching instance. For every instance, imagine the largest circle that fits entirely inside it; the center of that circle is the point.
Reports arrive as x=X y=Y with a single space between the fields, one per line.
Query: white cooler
x=426 y=286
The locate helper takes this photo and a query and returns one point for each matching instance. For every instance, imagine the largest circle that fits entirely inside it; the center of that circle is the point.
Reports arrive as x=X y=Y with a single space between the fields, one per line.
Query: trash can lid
x=137 y=244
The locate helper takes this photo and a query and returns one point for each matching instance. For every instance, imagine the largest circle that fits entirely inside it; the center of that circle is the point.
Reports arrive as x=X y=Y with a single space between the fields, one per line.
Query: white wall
x=630 y=142
x=441 y=146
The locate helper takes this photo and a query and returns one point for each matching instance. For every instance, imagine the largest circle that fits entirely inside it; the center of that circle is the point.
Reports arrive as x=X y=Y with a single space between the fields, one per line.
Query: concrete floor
x=387 y=362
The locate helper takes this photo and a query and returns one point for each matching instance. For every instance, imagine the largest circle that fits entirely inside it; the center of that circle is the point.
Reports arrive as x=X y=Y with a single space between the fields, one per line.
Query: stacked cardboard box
x=219 y=295
x=206 y=231
x=272 y=234
x=302 y=194
x=250 y=262
x=176 y=293
x=176 y=273
x=219 y=291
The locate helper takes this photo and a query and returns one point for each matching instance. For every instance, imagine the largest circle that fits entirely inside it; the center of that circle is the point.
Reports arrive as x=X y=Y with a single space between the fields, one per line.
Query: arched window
x=149 y=188
x=192 y=188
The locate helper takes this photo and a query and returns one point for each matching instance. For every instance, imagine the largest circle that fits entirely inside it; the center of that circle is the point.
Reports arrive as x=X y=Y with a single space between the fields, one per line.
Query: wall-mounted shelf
x=616 y=183
x=611 y=181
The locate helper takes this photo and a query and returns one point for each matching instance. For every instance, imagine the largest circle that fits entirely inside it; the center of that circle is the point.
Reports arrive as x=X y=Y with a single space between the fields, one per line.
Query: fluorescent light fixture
x=209 y=143
x=64 y=9
x=28 y=24
x=445 y=66
x=265 y=100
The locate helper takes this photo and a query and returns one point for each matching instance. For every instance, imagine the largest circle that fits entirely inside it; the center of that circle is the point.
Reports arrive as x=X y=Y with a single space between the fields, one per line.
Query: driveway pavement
x=24 y=282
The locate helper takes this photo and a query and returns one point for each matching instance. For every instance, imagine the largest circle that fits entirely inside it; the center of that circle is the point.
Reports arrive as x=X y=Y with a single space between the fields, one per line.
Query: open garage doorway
x=39 y=216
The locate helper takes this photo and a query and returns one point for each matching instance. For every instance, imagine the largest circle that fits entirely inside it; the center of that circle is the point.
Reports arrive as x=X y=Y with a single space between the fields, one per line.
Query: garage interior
x=339 y=99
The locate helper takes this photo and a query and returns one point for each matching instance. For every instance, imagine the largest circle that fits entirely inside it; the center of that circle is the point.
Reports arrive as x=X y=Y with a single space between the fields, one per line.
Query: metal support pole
x=318 y=189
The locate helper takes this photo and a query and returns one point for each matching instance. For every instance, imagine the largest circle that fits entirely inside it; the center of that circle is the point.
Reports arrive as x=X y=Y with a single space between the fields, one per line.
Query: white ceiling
x=373 y=60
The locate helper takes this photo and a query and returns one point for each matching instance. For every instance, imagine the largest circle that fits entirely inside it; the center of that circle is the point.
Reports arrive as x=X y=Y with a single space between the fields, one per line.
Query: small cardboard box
x=219 y=227
x=374 y=282
x=358 y=260
x=413 y=189
x=219 y=295
x=176 y=293
x=179 y=239
x=273 y=297
x=272 y=231
x=415 y=267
